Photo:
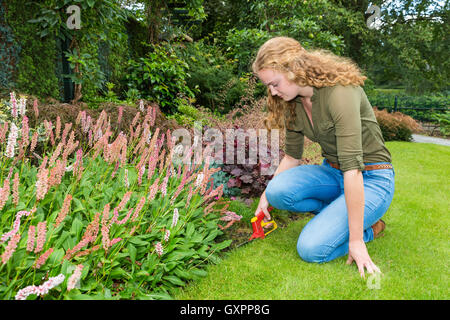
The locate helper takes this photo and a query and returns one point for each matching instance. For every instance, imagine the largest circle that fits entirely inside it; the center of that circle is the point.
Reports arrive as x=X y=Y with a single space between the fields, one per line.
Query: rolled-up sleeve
x=293 y=145
x=344 y=106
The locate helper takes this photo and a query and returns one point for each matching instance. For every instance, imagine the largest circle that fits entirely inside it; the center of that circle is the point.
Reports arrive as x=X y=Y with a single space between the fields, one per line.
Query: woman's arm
x=286 y=163
x=354 y=198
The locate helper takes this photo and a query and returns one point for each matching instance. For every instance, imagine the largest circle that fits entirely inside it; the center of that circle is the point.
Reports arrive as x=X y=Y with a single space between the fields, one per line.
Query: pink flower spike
x=159 y=249
x=41 y=290
x=41 y=260
x=175 y=217
x=10 y=248
x=74 y=279
x=30 y=241
x=41 y=234
x=35 y=107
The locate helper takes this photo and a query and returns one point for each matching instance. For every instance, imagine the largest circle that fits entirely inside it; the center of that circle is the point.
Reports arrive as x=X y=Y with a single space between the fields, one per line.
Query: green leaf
x=132 y=251
x=76 y=228
x=138 y=242
x=198 y=272
x=174 y=280
x=212 y=235
x=222 y=245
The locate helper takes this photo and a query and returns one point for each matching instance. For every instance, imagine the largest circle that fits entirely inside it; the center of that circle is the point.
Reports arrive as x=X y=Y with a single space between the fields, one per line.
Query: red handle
x=258 y=231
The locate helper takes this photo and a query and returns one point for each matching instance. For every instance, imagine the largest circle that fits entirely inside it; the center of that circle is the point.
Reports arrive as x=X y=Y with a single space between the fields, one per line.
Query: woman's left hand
x=357 y=252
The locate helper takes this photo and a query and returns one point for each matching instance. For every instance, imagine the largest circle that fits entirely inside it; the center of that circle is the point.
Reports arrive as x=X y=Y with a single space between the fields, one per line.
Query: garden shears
x=258 y=225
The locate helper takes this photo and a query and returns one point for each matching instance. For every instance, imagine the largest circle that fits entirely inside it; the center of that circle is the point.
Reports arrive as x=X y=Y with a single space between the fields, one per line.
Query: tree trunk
x=154 y=8
x=77 y=92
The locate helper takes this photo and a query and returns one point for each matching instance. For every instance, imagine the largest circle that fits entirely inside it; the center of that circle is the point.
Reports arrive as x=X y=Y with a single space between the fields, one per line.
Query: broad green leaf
x=132 y=251
x=174 y=280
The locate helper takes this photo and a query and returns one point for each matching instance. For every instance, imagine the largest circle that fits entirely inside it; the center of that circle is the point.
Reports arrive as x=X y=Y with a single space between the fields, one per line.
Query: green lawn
x=413 y=255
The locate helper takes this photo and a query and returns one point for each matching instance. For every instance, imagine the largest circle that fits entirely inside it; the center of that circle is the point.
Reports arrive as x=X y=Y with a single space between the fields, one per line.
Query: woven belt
x=366 y=167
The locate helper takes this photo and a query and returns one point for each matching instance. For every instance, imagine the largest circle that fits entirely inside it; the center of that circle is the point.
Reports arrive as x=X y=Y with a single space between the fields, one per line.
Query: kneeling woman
x=318 y=95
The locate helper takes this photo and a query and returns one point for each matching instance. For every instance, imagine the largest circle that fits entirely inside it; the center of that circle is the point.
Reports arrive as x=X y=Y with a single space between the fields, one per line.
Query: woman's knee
x=310 y=250
x=277 y=194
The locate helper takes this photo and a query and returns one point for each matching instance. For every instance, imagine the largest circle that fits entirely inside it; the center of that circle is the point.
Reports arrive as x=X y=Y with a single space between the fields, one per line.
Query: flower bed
x=101 y=214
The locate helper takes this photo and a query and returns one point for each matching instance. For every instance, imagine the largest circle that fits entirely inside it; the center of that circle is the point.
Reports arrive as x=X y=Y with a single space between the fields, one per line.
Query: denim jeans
x=320 y=189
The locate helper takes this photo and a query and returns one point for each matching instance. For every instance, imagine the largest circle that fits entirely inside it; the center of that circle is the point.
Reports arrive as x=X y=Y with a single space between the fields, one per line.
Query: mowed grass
x=413 y=255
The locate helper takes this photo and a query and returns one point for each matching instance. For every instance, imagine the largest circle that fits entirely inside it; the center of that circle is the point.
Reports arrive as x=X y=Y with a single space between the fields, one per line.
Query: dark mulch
x=51 y=109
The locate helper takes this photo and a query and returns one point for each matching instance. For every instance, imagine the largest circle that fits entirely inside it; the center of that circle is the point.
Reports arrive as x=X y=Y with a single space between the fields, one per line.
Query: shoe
x=378 y=228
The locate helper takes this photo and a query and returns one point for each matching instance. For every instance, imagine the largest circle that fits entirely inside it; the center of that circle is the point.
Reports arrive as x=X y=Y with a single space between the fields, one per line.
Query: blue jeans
x=320 y=189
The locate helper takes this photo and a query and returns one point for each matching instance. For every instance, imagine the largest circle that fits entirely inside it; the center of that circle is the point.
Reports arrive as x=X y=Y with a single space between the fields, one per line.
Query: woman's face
x=280 y=86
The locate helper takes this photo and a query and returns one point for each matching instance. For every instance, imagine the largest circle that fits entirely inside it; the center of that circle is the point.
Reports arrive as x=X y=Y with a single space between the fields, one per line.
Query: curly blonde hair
x=316 y=68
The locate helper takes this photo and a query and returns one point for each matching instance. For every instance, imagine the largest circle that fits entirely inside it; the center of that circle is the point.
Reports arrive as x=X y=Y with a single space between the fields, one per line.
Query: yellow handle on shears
x=269 y=222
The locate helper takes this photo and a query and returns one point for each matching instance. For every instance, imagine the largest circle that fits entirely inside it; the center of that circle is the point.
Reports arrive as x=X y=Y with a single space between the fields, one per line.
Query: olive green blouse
x=344 y=125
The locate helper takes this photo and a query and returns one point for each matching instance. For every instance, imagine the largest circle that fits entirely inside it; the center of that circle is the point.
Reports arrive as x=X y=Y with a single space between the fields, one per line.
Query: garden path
x=427 y=139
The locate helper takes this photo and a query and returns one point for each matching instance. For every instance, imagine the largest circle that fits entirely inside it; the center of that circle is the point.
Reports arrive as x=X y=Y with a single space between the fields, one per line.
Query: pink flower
x=153 y=190
x=25 y=131
x=41 y=260
x=78 y=166
x=35 y=107
x=16 y=225
x=55 y=154
x=114 y=241
x=3 y=131
x=135 y=119
x=89 y=236
x=141 y=105
x=138 y=209
x=66 y=131
x=12 y=140
x=167 y=235
x=16 y=189
x=231 y=216
x=30 y=241
x=116 y=217
x=164 y=184
x=13 y=105
x=58 y=127
x=33 y=141
x=41 y=290
x=42 y=180
x=65 y=208
x=175 y=217
x=41 y=234
x=75 y=277
x=22 y=106
x=159 y=249
x=105 y=228
x=4 y=193
x=124 y=200
x=190 y=194
x=10 y=248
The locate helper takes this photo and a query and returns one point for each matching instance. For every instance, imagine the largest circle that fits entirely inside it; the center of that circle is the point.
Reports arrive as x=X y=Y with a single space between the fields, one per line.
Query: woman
x=318 y=95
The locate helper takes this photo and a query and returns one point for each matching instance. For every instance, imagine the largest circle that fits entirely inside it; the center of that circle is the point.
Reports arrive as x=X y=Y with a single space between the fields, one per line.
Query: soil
x=240 y=232
x=51 y=109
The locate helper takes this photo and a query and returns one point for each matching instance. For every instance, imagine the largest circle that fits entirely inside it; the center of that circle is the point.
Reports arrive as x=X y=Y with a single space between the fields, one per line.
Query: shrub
x=243 y=45
x=213 y=75
x=160 y=76
x=107 y=217
x=443 y=119
x=396 y=126
x=385 y=99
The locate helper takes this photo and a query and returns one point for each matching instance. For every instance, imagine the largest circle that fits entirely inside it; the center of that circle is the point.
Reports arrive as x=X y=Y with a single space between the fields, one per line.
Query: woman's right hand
x=263 y=206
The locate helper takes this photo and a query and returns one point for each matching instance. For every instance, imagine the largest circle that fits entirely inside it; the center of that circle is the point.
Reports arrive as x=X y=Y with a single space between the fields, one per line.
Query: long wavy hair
x=316 y=68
